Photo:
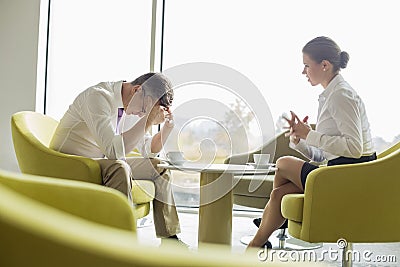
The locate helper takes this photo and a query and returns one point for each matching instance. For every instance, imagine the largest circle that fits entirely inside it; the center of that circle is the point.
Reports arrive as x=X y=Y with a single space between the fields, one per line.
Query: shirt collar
x=331 y=86
x=117 y=90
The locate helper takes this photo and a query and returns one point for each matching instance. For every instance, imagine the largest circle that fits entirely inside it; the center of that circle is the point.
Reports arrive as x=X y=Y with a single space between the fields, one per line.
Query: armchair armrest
x=70 y=167
x=89 y=201
x=292 y=207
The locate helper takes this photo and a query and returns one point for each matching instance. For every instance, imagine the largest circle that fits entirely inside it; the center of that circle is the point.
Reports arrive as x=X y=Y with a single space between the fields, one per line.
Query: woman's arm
x=345 y=111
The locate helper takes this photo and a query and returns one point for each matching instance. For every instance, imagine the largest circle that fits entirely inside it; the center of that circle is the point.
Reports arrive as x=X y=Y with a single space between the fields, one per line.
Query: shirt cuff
x=301 y=146
x=146 y=153
x=313 y=138
x=119 y=148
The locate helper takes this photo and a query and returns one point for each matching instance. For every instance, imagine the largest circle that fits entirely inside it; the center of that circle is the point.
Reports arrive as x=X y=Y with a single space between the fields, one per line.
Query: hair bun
x=344 y=59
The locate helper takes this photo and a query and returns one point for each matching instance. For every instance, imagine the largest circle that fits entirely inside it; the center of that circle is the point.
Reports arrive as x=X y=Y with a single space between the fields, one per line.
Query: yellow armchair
x=41 y=225
x=32 y=133
x=356 y=202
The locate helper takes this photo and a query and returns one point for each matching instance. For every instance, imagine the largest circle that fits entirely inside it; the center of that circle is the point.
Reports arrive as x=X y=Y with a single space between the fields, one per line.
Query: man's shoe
x=178 y=240
x=173 y=237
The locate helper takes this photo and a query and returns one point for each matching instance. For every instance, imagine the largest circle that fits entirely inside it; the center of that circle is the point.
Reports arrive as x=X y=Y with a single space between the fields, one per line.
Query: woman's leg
x=289 y=170
x=287 y=181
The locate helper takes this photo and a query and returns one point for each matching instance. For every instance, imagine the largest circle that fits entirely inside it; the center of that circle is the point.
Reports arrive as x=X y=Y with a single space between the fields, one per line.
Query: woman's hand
x=298 y=129
x=294 y=139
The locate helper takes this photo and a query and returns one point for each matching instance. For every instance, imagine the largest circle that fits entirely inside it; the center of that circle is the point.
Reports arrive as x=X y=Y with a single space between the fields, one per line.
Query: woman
x=342 y=134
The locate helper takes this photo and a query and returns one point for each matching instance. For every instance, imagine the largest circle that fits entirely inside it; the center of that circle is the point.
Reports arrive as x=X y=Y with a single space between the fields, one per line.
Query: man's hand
x=160 y=138
x=156 y=115
x=169 y=118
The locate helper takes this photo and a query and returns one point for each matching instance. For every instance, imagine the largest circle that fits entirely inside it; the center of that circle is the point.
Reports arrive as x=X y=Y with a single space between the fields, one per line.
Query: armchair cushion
x=143 y=191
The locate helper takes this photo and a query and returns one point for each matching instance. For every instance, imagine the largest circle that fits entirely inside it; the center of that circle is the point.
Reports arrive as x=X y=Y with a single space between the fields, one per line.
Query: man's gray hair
x=158 y=86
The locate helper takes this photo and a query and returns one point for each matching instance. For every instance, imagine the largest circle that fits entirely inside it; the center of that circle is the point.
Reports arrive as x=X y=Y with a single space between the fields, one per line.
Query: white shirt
x=88 y=128
x=342 y=128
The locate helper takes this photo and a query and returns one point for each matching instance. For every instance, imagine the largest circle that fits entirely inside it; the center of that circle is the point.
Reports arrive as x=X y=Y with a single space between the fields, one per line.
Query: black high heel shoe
x=267 y=245
x=257 y=222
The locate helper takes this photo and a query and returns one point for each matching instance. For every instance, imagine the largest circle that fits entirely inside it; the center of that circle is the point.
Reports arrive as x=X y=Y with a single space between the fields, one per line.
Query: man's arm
x=160 y=138
x=134 y=135
x=97 y=114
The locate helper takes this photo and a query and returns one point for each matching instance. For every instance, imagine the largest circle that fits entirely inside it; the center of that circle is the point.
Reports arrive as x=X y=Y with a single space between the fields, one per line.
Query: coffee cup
x=176 y=157
x=261 y=159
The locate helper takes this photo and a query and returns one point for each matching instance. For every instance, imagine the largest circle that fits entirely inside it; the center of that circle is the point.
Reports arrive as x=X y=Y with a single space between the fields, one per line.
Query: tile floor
x=369 y=254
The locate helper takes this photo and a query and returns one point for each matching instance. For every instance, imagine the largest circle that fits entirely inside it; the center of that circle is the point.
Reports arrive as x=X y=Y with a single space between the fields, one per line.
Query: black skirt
x=307 y=167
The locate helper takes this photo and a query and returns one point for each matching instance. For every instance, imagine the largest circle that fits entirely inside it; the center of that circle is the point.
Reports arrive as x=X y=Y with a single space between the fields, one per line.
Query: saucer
x=261 y=166
x=175 y=163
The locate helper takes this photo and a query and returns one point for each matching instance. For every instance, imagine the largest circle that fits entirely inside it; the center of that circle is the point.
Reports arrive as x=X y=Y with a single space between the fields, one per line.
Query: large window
x=263 y=41
x=93 y=41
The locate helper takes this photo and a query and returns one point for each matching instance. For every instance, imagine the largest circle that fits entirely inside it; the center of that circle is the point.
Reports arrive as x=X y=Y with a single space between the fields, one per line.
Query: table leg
x=215 y=212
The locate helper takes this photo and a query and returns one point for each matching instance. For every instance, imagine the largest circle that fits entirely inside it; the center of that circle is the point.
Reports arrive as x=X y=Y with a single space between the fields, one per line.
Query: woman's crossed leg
x=287 y=180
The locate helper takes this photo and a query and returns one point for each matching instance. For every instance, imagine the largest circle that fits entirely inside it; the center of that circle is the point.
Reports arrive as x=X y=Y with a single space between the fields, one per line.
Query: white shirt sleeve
x=98 y=116
x=144 y=144
x=309 y=152
x=344 y=110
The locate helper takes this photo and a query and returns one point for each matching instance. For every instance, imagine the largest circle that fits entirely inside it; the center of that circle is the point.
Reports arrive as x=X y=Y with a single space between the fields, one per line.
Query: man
x=91 y=128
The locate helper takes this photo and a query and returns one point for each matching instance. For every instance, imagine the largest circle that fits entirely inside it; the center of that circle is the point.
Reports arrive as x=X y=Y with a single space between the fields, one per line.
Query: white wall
x=19 y=31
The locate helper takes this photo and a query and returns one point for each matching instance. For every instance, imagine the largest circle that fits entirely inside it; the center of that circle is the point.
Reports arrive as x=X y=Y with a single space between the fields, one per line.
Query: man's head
x=147 y=91
x=157 y=86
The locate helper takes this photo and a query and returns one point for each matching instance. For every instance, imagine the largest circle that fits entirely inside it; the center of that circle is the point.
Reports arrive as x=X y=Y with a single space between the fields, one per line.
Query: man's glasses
x=144 y=96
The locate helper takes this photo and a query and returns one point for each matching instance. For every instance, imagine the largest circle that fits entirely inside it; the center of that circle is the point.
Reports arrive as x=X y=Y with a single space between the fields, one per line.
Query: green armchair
x=32 y=133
